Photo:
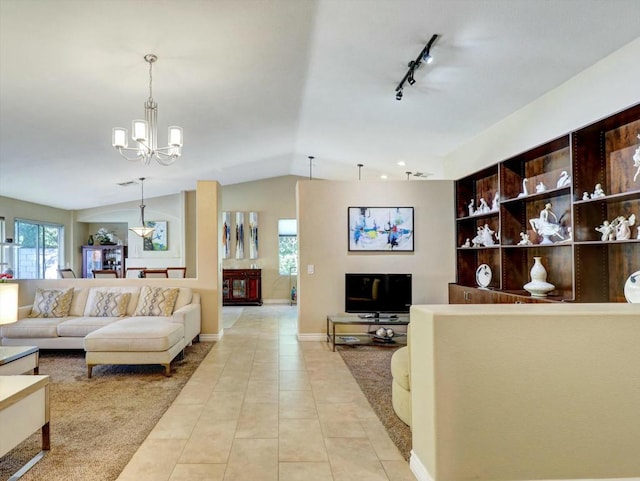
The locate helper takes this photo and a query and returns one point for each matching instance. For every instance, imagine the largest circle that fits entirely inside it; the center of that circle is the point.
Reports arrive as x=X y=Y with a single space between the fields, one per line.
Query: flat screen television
x=377 y=293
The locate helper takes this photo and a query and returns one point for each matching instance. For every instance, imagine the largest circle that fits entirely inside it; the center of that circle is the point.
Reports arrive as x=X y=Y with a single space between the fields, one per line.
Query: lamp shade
x=8 y=302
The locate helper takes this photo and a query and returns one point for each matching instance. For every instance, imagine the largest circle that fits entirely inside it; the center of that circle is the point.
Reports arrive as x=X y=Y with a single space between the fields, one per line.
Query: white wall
x=604 y=88
x=323 y=243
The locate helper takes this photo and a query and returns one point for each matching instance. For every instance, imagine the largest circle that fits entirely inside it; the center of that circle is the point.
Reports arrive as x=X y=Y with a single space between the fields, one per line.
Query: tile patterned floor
x=264 y=407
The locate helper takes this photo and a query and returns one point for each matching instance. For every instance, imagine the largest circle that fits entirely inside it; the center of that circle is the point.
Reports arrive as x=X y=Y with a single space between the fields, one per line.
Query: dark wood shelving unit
x=581 y=266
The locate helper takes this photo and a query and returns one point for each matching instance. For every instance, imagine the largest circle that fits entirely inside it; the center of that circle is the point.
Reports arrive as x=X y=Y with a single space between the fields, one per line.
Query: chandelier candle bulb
x=120 y=137
x=175 y=136
x=139 y=130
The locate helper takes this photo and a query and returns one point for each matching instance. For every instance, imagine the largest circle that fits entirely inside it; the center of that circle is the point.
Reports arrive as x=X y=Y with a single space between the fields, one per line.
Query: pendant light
x=142 y=231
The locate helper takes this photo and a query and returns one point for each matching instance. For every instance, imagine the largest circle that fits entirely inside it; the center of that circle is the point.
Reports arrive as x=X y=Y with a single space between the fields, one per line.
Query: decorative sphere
x=382 y=332
x=390 y=333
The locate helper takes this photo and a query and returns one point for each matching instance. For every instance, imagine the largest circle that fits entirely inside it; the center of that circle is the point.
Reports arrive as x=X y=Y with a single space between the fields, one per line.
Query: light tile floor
x=264 y=407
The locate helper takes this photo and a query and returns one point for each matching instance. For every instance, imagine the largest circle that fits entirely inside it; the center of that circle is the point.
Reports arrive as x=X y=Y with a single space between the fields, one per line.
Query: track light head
x=427 y=58
x=410 y=79
x=399 y=95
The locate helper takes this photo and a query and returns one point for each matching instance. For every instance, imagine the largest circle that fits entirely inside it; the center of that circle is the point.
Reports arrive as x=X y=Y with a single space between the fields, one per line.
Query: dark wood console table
x=241 y=287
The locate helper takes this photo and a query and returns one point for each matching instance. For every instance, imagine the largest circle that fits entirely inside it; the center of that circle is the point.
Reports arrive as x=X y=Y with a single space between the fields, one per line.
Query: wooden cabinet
x=242 y=287
x=103 y=257
x=557 y=174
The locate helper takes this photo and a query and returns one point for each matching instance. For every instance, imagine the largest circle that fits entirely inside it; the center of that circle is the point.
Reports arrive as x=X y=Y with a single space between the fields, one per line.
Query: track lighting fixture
x=360 y=171
x=424 y=56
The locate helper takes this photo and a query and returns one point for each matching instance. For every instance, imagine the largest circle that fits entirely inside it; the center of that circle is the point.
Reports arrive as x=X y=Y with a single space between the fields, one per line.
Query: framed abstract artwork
x=158 y=240
x=239 y=235
x=381 y=229
x=253 y=235
x=226 y=235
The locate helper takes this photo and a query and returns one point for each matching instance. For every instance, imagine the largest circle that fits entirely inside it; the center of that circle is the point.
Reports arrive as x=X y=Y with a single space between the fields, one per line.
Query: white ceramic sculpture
x=605 y=229
x=623 y=230
x=495 y=205
x=467 y=243
x=585 y=196
x=638 y=232
x=487 y=236
x=471 y=207
x=483 y=208
x=538 y=287
x=598 y=192
x=564 y=179
x=524 y=239
x=540 y=187
x=524 y=192
x=547 y=225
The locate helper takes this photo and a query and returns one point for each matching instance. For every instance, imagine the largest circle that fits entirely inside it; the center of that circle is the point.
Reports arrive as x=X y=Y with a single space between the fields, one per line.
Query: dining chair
x=104 y=274
x=66 y=274
x=155 y=273
x=176 y=272
x=132 y=272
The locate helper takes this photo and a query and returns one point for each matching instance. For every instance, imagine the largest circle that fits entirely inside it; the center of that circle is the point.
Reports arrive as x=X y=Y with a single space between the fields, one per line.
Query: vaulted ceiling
x=258 y=86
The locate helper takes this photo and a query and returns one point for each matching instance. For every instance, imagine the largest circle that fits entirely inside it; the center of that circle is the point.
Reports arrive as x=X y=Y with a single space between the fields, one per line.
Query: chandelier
x=145 y=133
x=143 y=230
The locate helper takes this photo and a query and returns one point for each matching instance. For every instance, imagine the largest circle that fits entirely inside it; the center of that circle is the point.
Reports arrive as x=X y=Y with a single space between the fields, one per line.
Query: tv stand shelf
x=365 y=339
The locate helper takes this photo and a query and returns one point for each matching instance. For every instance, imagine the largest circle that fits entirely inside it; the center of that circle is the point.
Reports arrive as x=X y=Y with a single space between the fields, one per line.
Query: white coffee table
x=24 y=408
x=18 y=360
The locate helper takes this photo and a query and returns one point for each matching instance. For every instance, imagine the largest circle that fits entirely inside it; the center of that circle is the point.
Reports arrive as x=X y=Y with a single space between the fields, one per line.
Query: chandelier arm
x=137 y=158
x=166 y=161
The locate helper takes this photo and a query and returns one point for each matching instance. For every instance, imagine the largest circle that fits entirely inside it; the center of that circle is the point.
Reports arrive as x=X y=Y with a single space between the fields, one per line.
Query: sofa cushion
x=184 y=298
x=156 y=301
x=109 y=304
x=132 y=335
x=400 y=368
x=33 y=327
x=79 y=301
x=97 y=292
x=81 y=326
x=52 y=302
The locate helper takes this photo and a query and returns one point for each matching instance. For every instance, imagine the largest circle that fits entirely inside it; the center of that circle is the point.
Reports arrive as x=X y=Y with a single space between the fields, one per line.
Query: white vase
x=538 y=287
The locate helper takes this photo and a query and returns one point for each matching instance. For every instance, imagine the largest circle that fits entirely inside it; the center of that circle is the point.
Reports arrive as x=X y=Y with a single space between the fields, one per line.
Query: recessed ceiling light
x=383 y=176
x=402 y=163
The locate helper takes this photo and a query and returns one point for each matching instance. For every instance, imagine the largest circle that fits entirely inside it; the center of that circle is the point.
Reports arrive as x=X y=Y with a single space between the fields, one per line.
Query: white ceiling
x=258 y=86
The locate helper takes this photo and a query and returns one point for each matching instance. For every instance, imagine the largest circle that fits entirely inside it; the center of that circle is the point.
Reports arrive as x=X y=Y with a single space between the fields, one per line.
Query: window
x=41 y=250
x=287 y=246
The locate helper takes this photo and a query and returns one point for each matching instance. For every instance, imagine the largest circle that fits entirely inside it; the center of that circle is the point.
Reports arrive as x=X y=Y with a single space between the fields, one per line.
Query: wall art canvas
x=158 y=240
x=239 y=235
x=253 y=235
x=226 y=235
x=380 y=229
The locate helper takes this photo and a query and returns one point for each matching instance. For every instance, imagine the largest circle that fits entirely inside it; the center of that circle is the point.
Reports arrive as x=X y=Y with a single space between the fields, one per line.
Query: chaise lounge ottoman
x=135 y=340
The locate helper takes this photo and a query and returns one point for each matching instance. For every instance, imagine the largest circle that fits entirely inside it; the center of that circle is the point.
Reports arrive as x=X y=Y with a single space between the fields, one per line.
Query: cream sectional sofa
x=114 y=325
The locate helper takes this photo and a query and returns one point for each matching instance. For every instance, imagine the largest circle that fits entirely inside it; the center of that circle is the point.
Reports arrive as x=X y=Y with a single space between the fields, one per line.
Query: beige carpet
x=371 y=368
x=97 y=424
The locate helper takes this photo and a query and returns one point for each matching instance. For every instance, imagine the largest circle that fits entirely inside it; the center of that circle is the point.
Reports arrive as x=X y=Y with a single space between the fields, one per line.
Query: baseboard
x=312 y=337
x=418 y=469
x=276 y=301
x=211 y=337
x=420 y=472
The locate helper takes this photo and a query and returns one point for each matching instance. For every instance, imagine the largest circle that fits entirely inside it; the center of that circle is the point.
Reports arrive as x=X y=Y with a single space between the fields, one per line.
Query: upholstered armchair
x=401 y=386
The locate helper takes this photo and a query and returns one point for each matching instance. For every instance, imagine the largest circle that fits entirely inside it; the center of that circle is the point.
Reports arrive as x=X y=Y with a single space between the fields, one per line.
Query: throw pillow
x=109 y=304
x=156 y=301
x=52 y=302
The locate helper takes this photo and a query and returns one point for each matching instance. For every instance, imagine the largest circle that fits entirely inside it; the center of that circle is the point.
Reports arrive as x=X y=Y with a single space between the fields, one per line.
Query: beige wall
x=272 y=199
x=323 y=243
x=604 y=88
x=517 y=392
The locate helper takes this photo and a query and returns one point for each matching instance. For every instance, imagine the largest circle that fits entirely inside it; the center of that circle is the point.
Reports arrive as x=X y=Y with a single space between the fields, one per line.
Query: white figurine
x=623 y=231
x=638 y=232
x=471 y=208
x=605 y=229
x=565 y=179
x=496 y=202
x=487 y=236
x=525 y=191
x=540 y=187
x=585 y=196
x=467 y=243
x=477 y=241
x=598 y=192
x=636 y=163
x=483 y=208
x=547 y=225
x=524 y=239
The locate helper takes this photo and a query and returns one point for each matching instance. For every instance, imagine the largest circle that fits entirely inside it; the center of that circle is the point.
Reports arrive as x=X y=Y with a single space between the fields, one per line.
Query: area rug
x=98 y=424
x=371 y=368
